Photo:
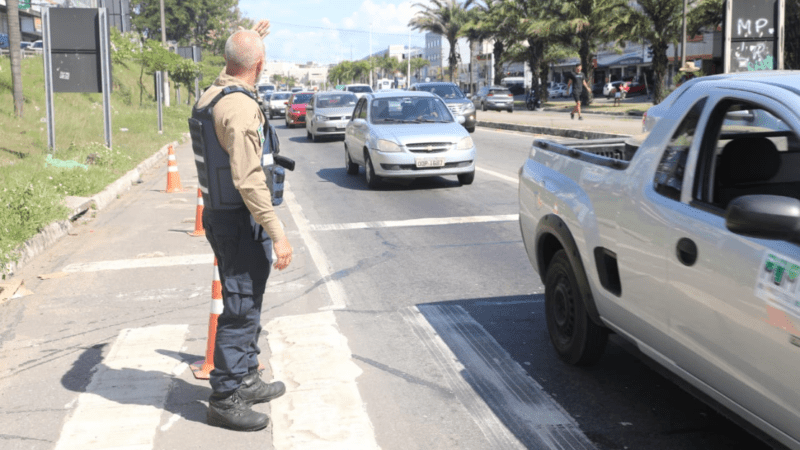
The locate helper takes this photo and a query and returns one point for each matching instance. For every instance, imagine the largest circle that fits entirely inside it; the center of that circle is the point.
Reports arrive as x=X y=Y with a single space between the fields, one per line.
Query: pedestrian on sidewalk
x=577 y=81
x=241 y=226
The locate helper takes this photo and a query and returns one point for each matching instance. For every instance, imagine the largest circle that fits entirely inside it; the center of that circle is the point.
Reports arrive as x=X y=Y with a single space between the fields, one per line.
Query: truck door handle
x=686 y=251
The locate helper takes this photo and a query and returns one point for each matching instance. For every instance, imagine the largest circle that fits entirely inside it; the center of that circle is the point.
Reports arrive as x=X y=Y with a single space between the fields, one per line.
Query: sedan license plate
x=340 y=126
x=283 y=111
x=429 y=162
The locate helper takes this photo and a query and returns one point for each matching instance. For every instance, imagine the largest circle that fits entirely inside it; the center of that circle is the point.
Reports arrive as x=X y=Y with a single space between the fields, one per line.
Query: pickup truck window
x=749 y=151
x=668 y=180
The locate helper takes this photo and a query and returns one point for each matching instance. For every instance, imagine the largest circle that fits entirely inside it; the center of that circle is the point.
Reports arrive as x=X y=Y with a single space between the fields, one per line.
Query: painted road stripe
x=334 y=287
x=511 y=180
x=123 y=404
x=120 y=264
x=322 y=408
x=414 y=222
x=510 y=408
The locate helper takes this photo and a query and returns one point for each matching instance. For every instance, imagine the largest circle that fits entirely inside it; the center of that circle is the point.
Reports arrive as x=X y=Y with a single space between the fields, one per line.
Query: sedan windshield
x=336 y=100
x=444 y=91
x=301 y=98
x=409 y=110
x=280 y=96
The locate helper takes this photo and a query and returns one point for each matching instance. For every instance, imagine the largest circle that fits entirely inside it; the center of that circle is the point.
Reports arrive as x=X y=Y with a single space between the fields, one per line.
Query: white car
x=359 y=89
x=558 y=90
x=407 y=134
x=277 y=103
x=327 y=114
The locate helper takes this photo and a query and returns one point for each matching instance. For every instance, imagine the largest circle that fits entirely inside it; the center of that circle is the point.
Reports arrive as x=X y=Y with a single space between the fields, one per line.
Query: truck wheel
x=577 y=340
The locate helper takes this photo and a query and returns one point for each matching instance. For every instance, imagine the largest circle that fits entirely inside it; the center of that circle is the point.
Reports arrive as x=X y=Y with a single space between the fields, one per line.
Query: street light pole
x=369 y=57
x=164 y=78
x=683 y=36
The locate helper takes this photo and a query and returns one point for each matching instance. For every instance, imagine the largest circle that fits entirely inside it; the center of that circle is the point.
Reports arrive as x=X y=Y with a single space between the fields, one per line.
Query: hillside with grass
x=33 y=192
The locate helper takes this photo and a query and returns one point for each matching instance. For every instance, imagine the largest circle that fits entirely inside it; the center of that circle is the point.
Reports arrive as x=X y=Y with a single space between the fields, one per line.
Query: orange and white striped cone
x=198 y=218
x=173 y=177
x=202 y=369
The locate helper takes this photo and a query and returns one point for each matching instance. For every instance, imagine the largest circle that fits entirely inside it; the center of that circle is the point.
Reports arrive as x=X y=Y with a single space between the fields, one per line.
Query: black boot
x=234 y=413
x=254 y=390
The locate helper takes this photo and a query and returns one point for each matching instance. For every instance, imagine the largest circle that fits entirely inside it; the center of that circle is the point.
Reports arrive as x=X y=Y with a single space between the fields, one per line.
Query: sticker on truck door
x=778 y=281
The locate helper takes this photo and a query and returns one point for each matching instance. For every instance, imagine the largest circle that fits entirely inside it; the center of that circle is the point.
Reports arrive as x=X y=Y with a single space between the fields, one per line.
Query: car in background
x=3 y=40
x=276 y=105
x=359 y=89
x=36 y=46
x=557 y=91
x=327 y=113
x=610 y=88
x=494 y=97
x=25 y=44
x=456 y=101
x=265 y=88
x=296 y=89
x=597 y=88
x=296 y=108
x=407 y=134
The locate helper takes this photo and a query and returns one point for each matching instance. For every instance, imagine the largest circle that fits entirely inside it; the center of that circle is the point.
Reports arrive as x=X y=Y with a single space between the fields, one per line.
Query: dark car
x=456 y=101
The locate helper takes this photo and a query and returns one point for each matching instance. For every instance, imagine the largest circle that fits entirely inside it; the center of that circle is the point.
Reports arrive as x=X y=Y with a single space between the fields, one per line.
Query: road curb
x=51 y=233
x=561 y=132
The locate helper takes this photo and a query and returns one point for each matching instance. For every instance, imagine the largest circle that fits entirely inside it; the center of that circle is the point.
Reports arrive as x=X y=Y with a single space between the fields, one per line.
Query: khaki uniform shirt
x=238 y=123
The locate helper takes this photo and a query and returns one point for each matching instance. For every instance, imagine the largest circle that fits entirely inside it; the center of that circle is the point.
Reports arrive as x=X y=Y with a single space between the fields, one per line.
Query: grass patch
x=33 y=192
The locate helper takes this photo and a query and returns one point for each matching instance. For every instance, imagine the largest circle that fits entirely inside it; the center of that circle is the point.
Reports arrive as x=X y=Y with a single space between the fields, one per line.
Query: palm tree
x=417 y=64
x=659 y=23
x=14 y=51
x=444 y=17
x=475 y=32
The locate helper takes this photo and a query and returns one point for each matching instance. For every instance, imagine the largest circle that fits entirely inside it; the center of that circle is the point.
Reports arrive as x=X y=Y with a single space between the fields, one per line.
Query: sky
x=329 y=31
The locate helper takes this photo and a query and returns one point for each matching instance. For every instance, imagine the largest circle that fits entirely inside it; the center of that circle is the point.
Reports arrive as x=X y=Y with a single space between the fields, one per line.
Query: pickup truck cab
x=686 y=244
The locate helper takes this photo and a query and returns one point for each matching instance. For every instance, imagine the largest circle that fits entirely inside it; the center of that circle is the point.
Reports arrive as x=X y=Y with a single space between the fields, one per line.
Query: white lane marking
x=120 y=264
x=334 y=287
x=172 y=420
x=322 y=408
x=511 y=180
x=123 y=404
x=510 y=408
x=414 y=222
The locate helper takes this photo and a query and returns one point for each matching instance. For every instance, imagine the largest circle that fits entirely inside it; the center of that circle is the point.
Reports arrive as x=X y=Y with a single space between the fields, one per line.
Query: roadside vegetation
x=33 y=191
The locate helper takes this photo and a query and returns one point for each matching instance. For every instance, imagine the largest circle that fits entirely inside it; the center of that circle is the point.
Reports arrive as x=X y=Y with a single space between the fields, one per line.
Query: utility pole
x=683 y=36
x=165 y=80
x=369 y=58
x=408 y=77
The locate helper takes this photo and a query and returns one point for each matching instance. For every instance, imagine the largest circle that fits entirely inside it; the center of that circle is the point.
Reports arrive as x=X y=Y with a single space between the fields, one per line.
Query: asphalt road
x=409 y=319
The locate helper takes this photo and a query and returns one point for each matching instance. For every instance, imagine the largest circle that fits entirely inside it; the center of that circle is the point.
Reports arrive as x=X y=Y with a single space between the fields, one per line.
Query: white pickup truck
x=687 y=245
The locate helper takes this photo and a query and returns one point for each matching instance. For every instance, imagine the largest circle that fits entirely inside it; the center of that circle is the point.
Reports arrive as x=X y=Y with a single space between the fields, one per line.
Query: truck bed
x=611 y=152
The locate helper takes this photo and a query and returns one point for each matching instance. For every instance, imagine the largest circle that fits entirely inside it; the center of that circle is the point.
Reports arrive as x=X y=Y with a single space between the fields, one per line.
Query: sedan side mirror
x=309 y=107
x=765 y=216
x=461 y=119
x=469 y=96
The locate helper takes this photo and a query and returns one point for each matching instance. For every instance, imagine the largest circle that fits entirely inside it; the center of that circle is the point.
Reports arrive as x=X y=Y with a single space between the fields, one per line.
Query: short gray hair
x=244 y=49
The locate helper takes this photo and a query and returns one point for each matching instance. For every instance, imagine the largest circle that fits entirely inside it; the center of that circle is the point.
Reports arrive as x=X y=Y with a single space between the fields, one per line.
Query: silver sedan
x=327 y=114
x=407 y=134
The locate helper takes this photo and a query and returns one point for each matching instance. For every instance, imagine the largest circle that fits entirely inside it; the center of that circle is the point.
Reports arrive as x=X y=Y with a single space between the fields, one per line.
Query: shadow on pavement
x=339 y=177
x=619 y=403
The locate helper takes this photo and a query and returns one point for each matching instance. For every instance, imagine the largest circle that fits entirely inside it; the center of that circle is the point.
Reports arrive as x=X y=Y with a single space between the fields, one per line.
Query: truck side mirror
x=765 y=216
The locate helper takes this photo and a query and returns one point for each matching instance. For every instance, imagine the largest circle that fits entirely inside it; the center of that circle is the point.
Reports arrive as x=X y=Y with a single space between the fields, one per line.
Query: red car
x=296 y=111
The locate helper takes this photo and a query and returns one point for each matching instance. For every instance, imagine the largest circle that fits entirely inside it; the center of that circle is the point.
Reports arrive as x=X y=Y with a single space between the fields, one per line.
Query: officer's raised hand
x=283 y=250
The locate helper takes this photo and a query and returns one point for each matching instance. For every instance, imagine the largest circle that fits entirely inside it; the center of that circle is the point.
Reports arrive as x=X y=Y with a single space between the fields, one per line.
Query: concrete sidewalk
x=557 y=123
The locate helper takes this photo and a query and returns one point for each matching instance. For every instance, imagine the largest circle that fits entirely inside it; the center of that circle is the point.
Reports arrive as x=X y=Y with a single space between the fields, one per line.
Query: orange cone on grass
x=173 y=177
x=198 y=218
x=202 y=369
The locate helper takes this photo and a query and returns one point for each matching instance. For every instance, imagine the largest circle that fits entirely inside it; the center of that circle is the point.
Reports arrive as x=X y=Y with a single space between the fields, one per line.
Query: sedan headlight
x=468 y=106
x=465 y=144
x=323 y=118
x=388 y=146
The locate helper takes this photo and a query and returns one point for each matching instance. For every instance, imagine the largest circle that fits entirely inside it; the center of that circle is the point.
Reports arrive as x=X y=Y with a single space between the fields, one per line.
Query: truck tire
x=577 y=340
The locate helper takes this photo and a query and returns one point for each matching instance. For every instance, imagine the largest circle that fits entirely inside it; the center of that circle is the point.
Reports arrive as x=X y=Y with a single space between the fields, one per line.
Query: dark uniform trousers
x=244 y=266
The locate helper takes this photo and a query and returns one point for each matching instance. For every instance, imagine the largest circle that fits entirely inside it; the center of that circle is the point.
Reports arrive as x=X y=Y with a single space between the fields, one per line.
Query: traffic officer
x=238 y=209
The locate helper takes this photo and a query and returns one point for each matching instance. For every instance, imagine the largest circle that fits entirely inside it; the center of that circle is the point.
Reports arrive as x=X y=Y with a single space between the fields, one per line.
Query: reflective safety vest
x=213 y=162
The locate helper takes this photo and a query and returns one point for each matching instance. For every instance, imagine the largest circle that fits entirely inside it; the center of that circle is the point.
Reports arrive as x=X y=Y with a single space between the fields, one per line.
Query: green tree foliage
x=445 y=17
x=348 y=72
x=184 y=72
x=195 y=22
x=417 y=64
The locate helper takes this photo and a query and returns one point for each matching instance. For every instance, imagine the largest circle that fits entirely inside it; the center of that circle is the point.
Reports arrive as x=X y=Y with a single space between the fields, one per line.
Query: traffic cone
x=198 y=218
x=202 y=369
x=173 y=177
